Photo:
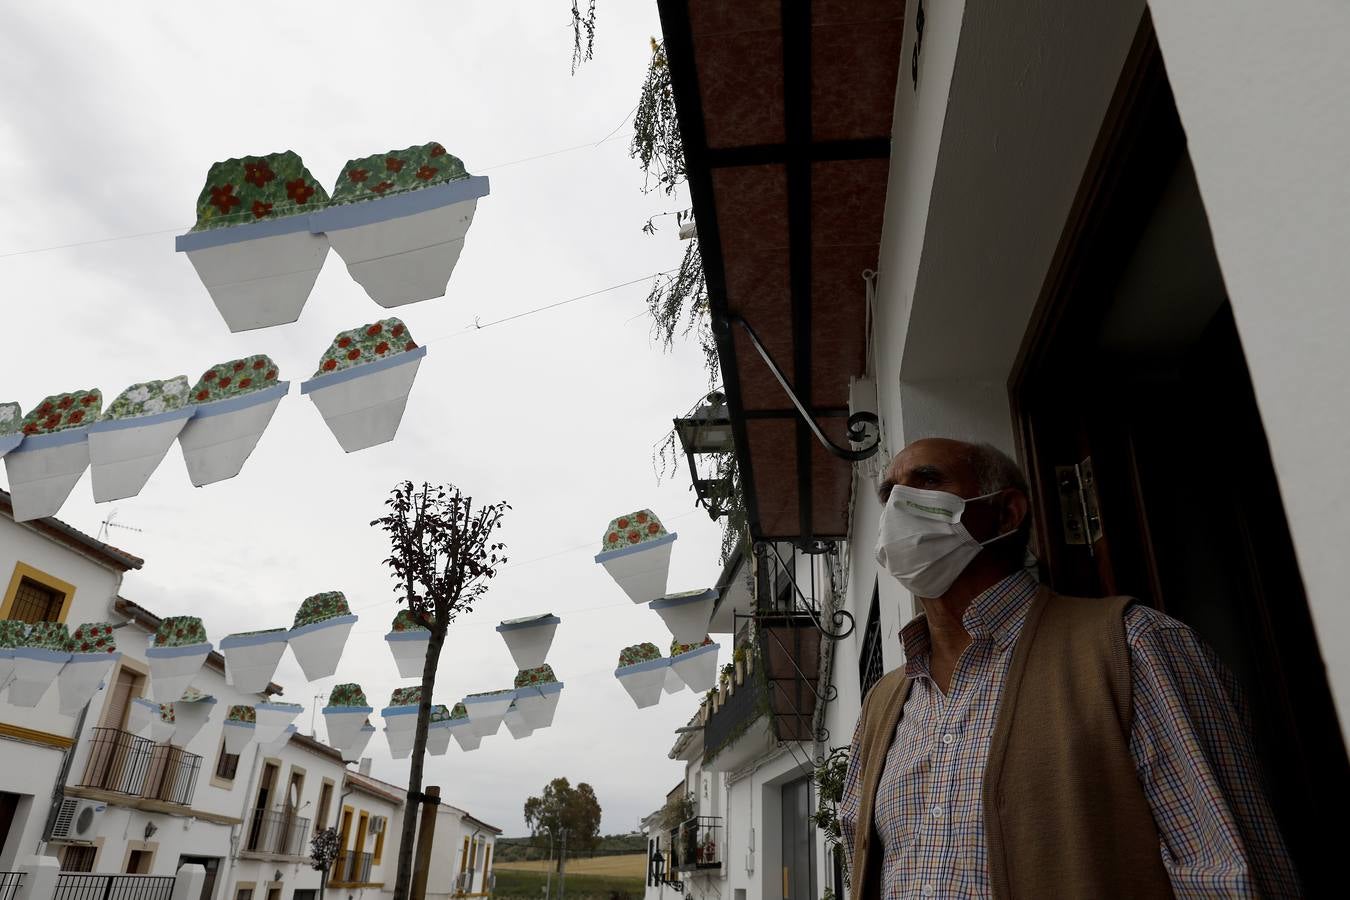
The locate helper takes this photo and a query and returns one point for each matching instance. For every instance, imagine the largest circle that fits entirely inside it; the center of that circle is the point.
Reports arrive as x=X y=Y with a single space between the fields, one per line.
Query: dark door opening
x=1148 y=459
x=799 y=882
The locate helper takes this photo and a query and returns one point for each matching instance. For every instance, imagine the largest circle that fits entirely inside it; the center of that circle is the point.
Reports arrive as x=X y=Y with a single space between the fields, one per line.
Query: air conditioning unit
x=77 y=819
x=377 y=825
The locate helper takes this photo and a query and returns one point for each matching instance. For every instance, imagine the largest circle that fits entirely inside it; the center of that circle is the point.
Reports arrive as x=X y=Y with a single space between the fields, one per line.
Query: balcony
x=277 y=833
x=350 y=868
x=700 y=844
x=123 y=763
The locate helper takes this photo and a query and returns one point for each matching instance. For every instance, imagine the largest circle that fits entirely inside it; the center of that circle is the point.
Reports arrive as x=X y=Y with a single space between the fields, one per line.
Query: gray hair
x=996 y=470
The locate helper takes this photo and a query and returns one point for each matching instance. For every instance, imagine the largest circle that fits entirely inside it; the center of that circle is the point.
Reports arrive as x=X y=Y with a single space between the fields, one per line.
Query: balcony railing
x=351 y=868
x=10 y=882
x=88 y=886
x=282 y=833
x=700 y=843
x=124 y=763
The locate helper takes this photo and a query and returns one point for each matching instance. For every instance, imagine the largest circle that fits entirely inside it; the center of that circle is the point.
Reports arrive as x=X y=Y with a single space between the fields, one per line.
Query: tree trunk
x=403 y=882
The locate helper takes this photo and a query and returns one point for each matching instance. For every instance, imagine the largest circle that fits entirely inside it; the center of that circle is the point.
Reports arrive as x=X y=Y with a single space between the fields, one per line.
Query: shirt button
x=948 y=738
x=929 y=890
x=937 y=812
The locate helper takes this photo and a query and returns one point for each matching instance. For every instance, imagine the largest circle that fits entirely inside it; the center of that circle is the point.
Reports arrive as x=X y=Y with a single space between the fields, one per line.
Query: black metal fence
x=124 y=763
x=351 y=868
x=10 y=882
x=281 y=832
x=88 y=886
x=701 y=843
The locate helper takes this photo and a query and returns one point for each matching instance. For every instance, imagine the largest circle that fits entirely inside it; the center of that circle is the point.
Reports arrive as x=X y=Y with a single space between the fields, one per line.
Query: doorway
x=1150 y=471
x=212 y=866
x=799 y=882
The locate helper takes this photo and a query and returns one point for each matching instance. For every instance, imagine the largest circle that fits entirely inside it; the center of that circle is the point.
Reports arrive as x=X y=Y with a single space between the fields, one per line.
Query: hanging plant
x=642 y=672
x=12 y=635
x=462 y=730
x=317 y=638
x=400 y=720
x=37 y=662
x=529 y=638
x=252 y=657
x=272 y=719
x=131 y=437
x=54 y=453
x=346 y=714
x=233 y=403
x=830 y=777
x=635 y=551
x=686 y=613
x=487 y=708
x=190 y=713
x=408 y=638
x=93 y=651
x=536 y=698
x=695 y=664
x=240 y=722
x=438 y=730
x=176 y=653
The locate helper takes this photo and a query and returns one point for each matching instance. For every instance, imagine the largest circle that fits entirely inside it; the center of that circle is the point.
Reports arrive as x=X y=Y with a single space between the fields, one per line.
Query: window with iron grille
x=869 y=662
x=35 y=602
x=78 y=858
x=226 y=763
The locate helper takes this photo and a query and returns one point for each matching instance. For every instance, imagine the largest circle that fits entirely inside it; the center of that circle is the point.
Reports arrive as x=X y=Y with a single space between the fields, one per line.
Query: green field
x=516 y=884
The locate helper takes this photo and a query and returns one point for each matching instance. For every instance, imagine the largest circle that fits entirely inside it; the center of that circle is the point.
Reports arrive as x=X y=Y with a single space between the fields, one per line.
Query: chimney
x=364 y=768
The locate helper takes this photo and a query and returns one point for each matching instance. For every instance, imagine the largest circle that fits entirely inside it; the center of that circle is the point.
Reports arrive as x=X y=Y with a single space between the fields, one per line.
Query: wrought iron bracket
x=841 y=623
x=864 y=428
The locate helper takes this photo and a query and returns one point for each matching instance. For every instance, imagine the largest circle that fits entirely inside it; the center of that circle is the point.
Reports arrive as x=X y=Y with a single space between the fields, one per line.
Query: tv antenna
x=111 y=522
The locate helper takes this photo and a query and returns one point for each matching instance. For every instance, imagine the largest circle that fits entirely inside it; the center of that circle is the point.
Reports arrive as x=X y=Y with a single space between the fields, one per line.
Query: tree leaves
x=562 y=807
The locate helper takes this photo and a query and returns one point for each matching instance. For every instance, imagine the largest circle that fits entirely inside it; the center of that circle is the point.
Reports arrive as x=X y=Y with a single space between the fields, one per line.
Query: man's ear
x=1016 y=506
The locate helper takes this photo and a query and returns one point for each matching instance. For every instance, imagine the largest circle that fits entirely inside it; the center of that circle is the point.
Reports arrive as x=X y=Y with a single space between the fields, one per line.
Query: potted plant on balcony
x=240 y=724
x=37 y=662
x=438 y=731
x=346 y=714
x=398 y=221
x=462 y=730
x=271 y=719
x=93 y=651
x=529 y=638
x=635 y=551
x=130 y=438
x=724 y=681
x=695 y=664
x=12 y=635
x=322 y=625
x=408 y=638
x=687 y=613
x=44 y=468
x=176 y=653
x=642 y=672
x=516 y=724
x=11 y=418
x=536 y=698
x=251 y=657
x=233 y=403
x=362 y=384
x=252 y=245
x=486 y=709
x=738 y=658
x=400 y=719
x=191 y=712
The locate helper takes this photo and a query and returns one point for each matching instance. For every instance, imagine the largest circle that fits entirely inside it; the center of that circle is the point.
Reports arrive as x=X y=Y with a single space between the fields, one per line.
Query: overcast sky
x=112 y=114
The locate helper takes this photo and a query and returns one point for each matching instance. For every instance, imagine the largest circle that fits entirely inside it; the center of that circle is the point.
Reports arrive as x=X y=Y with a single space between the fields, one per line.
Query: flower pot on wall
x=486 y=710
x=277 y=744
x=272 y=718
x=129 y=440
x=45 y=467
x=93 y=651
x=252 y=245
x=238 y=729
x=322 y=625
x=697 y=667
x=38 y=662
x=516 y=723
x=190 y=713
x=635 y=551
x=529 y=638
x=346 y=714
x=408 y=640
x=362 y=383
x=686 y=614
x=233 y=403
x=176 y=653
x=398 y=221
x=251 y=658
x=642 y=672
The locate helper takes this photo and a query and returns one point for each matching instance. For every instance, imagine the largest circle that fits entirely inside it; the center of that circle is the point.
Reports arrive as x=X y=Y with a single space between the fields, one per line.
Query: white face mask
x=922 y=541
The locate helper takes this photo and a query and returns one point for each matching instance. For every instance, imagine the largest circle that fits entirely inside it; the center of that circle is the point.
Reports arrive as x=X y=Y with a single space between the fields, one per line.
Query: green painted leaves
x=255 y=188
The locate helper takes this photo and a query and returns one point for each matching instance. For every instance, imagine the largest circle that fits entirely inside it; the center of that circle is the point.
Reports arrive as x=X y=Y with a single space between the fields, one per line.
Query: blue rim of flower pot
x=34 y=442
x=245 y=231
x=278 y=707
x=399 y=711
x=697 y=651
x=408 y=203
x=310 y=627
x=339 y=710
x=9 y=441
x=42 y=654
x=669 y=602
x=102 y=425
x=238 y=724
x=548 y=687
x=172 y=652
x=489 y=698
x=416 y=634
x=318 y=382
x=531 y=622
x=644 y=666
x=235 y=641
x=94 y=657
x=606 y=555
x=243 y=401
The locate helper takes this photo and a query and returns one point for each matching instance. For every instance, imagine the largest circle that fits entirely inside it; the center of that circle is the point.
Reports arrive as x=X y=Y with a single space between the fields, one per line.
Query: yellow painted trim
x=323 y=811
x=250 y=886
x=33 y=736
x=22 y=570
x=464 y=857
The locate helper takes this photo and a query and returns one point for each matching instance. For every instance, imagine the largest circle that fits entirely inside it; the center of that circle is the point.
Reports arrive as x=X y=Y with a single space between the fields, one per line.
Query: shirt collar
x=996 y=614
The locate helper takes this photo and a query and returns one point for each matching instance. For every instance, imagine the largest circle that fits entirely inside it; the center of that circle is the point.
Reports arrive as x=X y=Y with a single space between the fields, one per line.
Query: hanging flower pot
x=233 y=403
x=140 y=713
x=363 y=381
x=191 y=712
x=37 y=662
x=462 y=730
x=44 y=468
x=129 y=440
x=93 y=650
x=11 y=420
x=686 y=614
x=360 y=742
x=277 y=744
x=400 y=720
x=272 y=718
x=346 y=714
x=486 y=710
x=438 y=730
x=12 y=634
x=320 y=632
x=162 y=724
x=674 y=684
x=696 y=664
x=529 y=638
x=251 y=658
x=642 y=672
x=240 y=723
x=408 y=639
x=398 y=221
x=252 y=245
x=635 y=551
x=537 y=695
x=176 y=653
x=516 y=724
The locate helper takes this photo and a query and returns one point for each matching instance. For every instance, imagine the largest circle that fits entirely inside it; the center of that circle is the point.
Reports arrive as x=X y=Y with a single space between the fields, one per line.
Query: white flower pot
x=402 y=249
x=687 y=615
x=516 y=724
x=9 y=441
x=251 y=659
x=400 y=728
x=344 y=724
x=674 y=684
x=259 y=273
x=318 y=645
x=359 y=743
x=43 y=471
x=537 y=703
x=529 y=639
x=173 y=668
x=463 y=732
x=644 y=681
x=438 y=738
x=190 y=716
x=277 y=744
x=273 y=719
x=6 y=667
x=641 y=569
x=410 y=651
x=35 y=669
x=219 y=437
x=124 y=453
x=485 y=713
x=697 y=668
x=237 y=735
x=363 y=406
x=144 y=719
x=80 y=679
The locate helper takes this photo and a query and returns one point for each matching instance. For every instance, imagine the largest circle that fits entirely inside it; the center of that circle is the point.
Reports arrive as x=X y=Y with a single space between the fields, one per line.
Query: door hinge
x=1078 y=509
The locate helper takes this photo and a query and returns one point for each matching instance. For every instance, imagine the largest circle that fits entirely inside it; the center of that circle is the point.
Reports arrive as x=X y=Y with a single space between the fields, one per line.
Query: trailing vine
x=583 y=34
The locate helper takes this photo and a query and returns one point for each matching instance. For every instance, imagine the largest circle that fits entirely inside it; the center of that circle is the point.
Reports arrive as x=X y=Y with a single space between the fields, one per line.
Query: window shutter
x=127 y=688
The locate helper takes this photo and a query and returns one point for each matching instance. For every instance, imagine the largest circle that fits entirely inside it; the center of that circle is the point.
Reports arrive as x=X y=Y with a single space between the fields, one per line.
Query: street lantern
x=707 y=431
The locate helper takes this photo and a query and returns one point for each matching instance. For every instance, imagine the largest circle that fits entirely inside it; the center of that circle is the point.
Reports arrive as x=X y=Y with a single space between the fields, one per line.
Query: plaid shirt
x=1189 y=741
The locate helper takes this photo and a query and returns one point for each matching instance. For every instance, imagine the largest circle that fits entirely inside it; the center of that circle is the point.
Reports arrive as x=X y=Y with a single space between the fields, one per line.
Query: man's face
x=941 y=464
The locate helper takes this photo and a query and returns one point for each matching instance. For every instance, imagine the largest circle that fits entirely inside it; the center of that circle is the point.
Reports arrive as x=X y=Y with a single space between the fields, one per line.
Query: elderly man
x=1036 y=745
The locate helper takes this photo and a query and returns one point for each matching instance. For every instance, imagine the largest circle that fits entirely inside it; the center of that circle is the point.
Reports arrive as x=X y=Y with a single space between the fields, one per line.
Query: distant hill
x=515 y=849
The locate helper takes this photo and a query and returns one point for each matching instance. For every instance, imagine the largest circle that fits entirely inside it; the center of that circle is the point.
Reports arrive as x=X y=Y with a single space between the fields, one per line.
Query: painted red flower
x=76 y=417
x=65 y=403
x=358 y=175
x=653 y=528
x=329 y=365
x=45 y=408
x=382 y=347
x=259 y=363
x=641 y=518
x=225 y=380
x=245 y=382
x=426 y=173
x=411 y=345
x=437 y=150
x=239 y=366
x=633 y=537
x=354 y=353
x=382 y=187
x=261 y=209
x=344 y=342
x=613 y=537
x=31 y=428
x=203 y=394
x=258 y=173
x=223 y=199
x=271 y=373
x=374 y=329
x=299 y=190
x=84 y=648
x=87 y=400
x=396 y=330
x=209 y=376
x=51 y=421
x=623 y=523
x=393 y=164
